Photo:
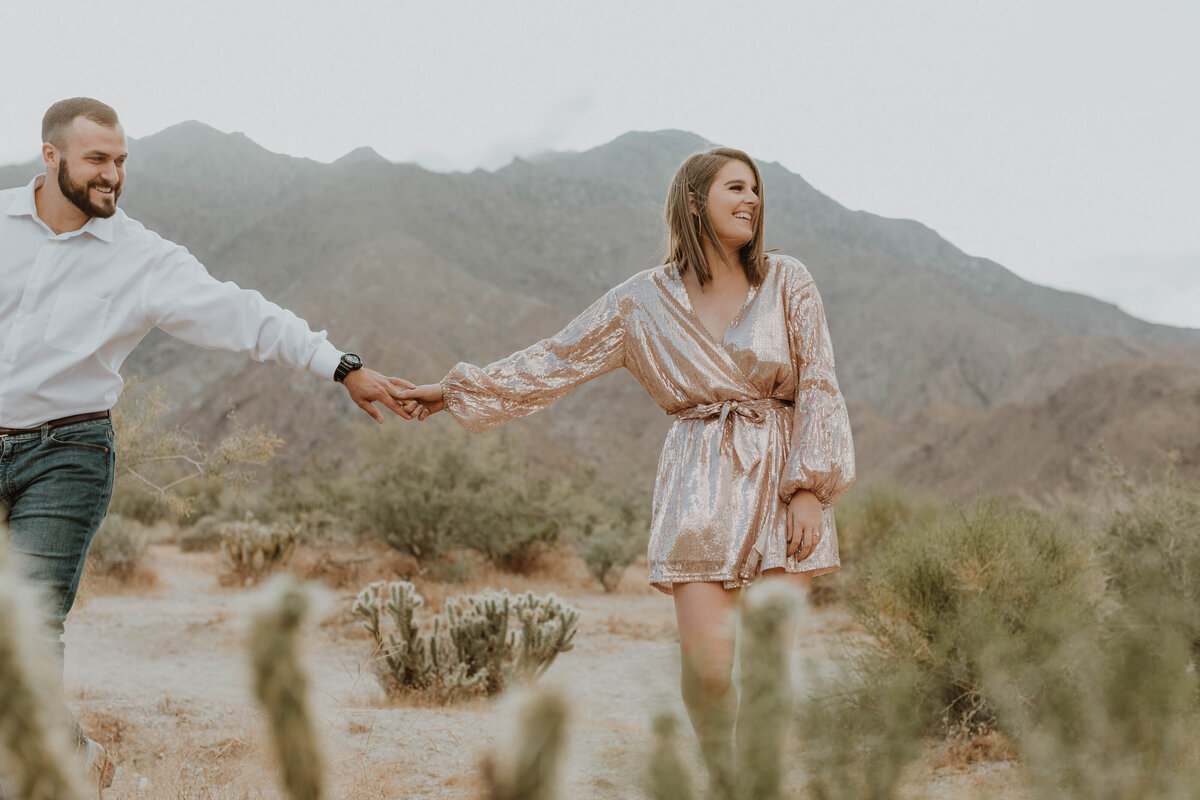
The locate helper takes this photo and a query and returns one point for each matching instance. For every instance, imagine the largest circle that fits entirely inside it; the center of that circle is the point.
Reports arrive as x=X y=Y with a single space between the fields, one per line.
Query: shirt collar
x=23 y=204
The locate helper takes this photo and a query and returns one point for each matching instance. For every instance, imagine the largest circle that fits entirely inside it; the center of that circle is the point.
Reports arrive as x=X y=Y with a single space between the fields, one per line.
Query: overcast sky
x=1057 y=137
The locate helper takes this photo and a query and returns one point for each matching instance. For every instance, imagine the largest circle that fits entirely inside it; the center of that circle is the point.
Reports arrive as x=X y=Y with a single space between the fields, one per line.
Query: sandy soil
x=159 y=676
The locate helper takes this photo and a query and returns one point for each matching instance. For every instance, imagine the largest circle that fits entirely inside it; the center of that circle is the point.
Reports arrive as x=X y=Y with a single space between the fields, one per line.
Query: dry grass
x=638 y=630
x=140 y=579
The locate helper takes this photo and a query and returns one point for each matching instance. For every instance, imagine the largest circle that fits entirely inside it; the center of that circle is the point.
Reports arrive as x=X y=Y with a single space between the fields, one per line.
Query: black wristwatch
x=348 y=364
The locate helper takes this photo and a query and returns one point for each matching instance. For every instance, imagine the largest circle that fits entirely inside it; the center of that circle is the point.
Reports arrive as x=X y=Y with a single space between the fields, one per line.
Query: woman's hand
x=804 y=516
x=429 y=396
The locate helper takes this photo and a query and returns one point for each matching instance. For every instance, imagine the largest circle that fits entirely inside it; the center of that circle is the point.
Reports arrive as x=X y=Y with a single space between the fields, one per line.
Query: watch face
x=352 y=361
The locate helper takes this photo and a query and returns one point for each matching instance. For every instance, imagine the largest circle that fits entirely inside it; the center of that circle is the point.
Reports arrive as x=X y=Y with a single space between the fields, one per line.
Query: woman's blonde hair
x=687 y=228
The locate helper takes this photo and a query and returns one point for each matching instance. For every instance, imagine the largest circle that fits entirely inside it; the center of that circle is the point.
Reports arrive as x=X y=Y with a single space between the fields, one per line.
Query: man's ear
x=50 y=156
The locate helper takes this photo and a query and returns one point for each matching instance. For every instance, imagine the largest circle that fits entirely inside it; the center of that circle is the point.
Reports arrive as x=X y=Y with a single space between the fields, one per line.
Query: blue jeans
x=55 y=485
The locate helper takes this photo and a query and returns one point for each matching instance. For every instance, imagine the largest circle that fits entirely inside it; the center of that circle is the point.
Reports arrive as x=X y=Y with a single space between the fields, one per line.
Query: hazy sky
x=1060 y=138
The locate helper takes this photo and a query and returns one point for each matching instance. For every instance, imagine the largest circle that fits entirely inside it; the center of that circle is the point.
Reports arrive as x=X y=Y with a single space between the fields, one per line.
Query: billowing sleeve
x=528 y=381
x=822 y=454
x=182 y=298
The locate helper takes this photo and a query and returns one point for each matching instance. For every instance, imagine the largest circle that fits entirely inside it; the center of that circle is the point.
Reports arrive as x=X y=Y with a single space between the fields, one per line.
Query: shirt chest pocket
x=77 y=322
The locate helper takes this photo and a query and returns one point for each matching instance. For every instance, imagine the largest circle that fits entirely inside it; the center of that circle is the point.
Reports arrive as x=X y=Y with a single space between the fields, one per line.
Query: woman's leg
x=705 y=615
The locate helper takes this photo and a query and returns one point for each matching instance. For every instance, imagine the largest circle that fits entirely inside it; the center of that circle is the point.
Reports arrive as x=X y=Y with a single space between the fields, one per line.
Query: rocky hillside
x=959 y=373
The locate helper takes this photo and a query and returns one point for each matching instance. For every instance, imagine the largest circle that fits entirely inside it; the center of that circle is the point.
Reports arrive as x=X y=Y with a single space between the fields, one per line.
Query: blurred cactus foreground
x=37 y=759
x=481 y=644
x=282 y=686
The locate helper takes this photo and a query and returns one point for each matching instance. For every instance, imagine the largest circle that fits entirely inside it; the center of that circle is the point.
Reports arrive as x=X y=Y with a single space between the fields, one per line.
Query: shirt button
x=8 y=360
x=22 y=318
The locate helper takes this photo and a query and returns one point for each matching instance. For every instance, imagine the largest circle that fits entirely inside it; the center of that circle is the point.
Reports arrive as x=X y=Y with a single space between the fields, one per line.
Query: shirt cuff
x=325 y=361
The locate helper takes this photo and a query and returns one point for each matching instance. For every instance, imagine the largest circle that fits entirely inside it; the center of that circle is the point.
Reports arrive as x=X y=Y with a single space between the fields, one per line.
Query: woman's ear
x=692 y=204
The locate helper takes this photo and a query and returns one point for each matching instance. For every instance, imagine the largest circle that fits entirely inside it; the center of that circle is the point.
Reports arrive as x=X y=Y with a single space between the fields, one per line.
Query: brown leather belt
x=56 y=423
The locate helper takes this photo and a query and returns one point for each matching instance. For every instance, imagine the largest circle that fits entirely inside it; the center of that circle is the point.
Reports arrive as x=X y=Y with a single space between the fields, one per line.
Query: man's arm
x=180 y=297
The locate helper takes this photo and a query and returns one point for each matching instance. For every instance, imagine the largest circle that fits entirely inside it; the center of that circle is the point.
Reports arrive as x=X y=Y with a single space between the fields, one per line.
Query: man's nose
x=110 y=173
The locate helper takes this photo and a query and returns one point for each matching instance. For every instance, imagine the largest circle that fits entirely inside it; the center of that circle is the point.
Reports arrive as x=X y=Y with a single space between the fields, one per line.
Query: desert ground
x=157 y=671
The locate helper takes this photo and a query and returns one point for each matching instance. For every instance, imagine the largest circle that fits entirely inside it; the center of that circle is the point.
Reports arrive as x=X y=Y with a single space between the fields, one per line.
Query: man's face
x=91 y=167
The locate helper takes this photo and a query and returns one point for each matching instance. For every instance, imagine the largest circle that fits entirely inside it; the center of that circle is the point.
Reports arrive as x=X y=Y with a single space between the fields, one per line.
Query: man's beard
x=80 y=195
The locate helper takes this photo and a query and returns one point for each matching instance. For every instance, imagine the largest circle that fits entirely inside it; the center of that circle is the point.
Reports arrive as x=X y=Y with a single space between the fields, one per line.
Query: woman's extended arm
x=532 y=379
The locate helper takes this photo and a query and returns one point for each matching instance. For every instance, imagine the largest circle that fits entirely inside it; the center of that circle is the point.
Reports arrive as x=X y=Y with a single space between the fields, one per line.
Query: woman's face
x=733 y=204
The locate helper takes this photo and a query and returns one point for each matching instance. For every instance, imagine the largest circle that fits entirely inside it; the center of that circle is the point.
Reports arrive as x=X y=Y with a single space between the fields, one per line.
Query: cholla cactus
x=282 y=686
x=253 y=548
x=37 y=755
x=474 y=648
x=766 y=699
x=410 y=659
x=478 y=627
x=529 y=770
x=547 y=629
x=668 y=777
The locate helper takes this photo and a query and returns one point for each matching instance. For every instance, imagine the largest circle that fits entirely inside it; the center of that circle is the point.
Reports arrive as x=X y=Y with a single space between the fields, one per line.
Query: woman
x=732 y=343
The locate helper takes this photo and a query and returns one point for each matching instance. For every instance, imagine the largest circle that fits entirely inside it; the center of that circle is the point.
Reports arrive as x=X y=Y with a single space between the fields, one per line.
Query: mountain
x=957 y=371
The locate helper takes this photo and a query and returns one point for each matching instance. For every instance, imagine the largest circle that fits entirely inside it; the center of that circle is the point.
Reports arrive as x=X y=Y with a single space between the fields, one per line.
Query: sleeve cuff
x=325 y=361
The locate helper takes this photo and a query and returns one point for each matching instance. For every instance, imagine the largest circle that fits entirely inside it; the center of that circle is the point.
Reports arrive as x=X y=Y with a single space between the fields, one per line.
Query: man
x=83 y=283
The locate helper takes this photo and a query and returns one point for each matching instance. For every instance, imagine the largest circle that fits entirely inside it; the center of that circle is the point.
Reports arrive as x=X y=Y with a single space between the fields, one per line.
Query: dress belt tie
x=744 y=447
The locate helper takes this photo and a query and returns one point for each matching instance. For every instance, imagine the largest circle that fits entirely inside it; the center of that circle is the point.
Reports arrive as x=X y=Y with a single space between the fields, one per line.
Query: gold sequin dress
x=757 y=416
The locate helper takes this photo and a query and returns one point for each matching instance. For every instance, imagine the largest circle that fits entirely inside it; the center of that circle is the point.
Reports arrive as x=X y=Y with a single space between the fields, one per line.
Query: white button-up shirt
x=74 y=305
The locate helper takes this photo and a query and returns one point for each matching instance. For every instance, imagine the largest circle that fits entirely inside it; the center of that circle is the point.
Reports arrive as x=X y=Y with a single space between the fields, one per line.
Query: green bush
x=481 y=644
x=1119 y=704
x=119 y=545
x=435 y=489
x=939 y=598
x=607 y=553
x=612 y=526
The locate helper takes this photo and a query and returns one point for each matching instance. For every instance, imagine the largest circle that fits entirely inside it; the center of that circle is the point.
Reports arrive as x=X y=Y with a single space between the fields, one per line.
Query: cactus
x=37 y=754
x=409 y=659
x=475 y=647
x=547 y=629
x=253 y=549
x=768 y=618
x=282 y=686
x=668 y=777
x=529 y=771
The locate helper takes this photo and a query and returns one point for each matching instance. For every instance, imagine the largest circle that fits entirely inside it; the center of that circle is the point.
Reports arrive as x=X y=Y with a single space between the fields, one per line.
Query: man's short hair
x=60 y=116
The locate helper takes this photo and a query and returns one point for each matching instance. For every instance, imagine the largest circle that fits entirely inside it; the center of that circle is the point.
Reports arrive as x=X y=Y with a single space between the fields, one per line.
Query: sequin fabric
x=757 y=416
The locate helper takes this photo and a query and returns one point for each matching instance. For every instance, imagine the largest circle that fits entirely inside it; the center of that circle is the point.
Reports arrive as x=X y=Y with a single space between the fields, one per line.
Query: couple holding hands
x=729 y=339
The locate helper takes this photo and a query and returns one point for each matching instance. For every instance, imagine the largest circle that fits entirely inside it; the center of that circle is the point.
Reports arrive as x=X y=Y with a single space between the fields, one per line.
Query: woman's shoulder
x=650 y=279
x=788 y=270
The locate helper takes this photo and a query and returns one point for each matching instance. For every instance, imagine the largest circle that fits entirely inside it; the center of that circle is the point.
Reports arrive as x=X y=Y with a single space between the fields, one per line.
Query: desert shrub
x=481 y=644
x=253 y=549
x=429 y=491
x=607 y=553
x=1112 y=711
x=613 y=523
x=317 y=498
x=940 y=598
x=119 y=544
x=204 y=535
x=155 y=461
x=867 y=517
x=1150 y=547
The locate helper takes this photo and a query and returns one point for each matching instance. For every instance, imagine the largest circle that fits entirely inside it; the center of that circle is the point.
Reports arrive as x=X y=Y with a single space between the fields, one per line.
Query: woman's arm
x=481 y=398
x=820 y=467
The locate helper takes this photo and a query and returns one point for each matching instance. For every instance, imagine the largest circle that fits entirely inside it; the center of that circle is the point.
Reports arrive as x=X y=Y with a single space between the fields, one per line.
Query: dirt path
x=162 y=678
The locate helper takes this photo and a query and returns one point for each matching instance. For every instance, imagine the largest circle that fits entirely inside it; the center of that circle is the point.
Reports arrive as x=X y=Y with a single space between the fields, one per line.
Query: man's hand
x=366 y=387
x=429 y=399
x=804 y=517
